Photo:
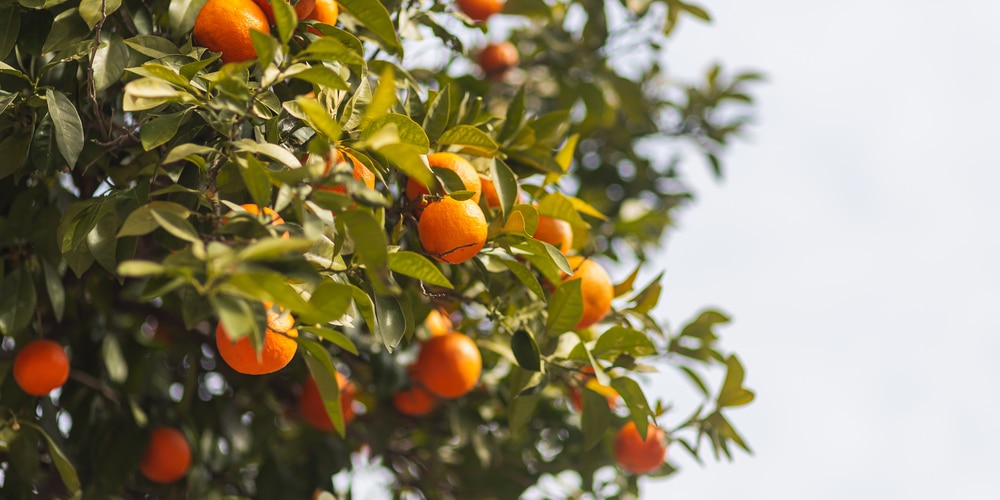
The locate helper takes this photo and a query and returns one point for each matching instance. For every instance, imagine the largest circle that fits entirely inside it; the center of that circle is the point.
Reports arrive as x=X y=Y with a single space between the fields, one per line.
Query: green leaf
x=514 y=118
x=10 y=24
x=526 y=277
x=110 y=61
x=324 y=372
x=634 y=398
x=331 y=49
x=55 y=290
x=733 y=393
x=394 y=128
x=537 y=158
x=186 y=151
x=370 y=244
x=273 y=151
x=647 y=299
x=335 y=337
x=66 y=471
x=697 y=11
x=595 y=418
x=140 y=269
x=696 y=379
x=565 y=308
x=176 y=226
x=471 y=138
x=321 y=75
x=521 y=409
x=417 y=266
x=701 y=327
x=619 y=340
x=406 y=157
x=383 y=99
x=375 y=17
x=272 y=248
x=68 y=127
x=17 y=301
x=438 y=112
x=626 y=286
x=525 y=350
x=255 y=178
x=318 y=118
x=565 y=156
x=558 y=206
x=392 y=325
x=114 y=359
x=14 y=150
x=92 y=11
x=238 y=318
x=284 y=19
x=331 y=301
x=160 y=130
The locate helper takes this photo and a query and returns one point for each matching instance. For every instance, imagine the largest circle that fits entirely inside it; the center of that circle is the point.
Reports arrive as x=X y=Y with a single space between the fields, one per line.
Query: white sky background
x=855 y=242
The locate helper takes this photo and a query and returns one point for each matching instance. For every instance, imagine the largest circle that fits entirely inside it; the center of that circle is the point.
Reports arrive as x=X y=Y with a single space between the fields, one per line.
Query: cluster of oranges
x=224 y=25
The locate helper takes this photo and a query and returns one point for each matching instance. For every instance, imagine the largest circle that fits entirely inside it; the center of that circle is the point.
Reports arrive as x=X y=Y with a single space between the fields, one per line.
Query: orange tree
x=225 y=226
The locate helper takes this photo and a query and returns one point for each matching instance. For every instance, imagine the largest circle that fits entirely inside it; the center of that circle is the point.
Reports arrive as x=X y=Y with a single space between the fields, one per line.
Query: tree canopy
x=193 y=190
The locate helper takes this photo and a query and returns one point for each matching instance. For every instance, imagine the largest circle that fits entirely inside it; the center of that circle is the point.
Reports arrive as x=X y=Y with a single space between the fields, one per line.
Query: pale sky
x=855 y=243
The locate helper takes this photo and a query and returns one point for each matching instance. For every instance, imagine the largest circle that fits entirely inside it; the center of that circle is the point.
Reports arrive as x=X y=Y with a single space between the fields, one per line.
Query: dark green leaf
x=619 y=340
x=335 y=337
x=471 y=138
x=68 y=127
x=160 y=130
x=525 y=350
x=526 y=277
x=10 y=24
x=54 y=289
x=17 y=301
x=595 y=418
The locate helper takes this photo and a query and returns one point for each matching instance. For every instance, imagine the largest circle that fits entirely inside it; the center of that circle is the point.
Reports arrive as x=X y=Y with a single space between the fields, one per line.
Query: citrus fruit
x=40 y=367
x=452 y=162
x=311 y=403
x=438 y=322
x=555 y=232
x=414 y=401
x=224 y=26
x=637 y=456
x=452 y=231
x=279 y=346
x=448 y=365
x=595 y=287
x=480 y=10
x=361 y=173
x=325 y=11
x=497 y=58
x=167 y=457
x=302 y=9
x=276 y=220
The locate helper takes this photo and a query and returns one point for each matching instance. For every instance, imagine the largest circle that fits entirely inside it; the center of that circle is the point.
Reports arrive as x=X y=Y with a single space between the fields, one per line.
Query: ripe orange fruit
x=637 y=456
x=167 y=457
x=595 y=287
x=276 y=219
x=438 y=323
x=452 y=162
x=415 y=401
x=279 y=346
x=452 y=231
x=325 y=11
x=311 y=403
x=480 y=10
x=448 y=365
x=555 y=232
x=361 y=173
x=302 y=9
x=224 y=26
x=497 y=58
x=256 y=210
x=40 y=367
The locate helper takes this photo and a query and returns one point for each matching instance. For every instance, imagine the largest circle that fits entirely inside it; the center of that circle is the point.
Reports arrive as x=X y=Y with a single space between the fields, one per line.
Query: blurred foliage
x=126 y=151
